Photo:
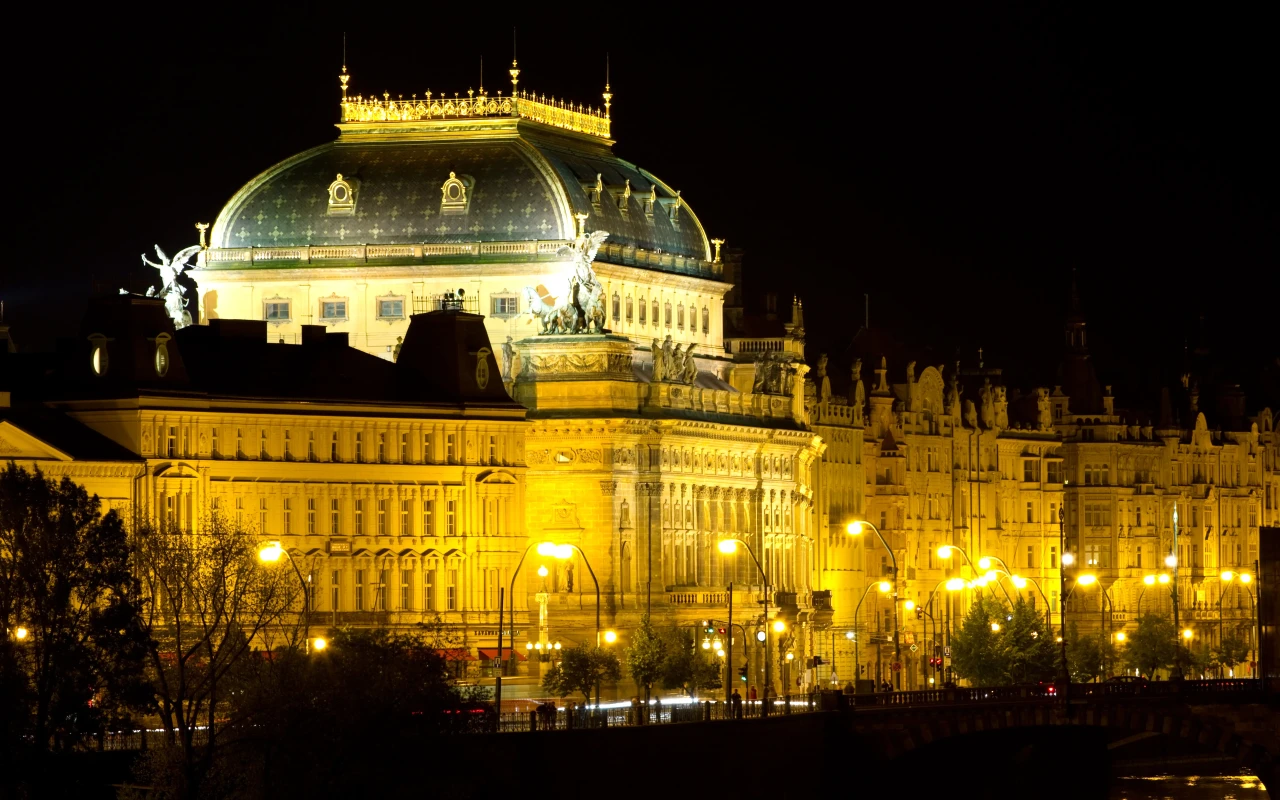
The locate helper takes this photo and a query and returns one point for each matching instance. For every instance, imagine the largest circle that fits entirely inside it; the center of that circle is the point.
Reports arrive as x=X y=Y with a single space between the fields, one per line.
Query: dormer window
x=162 y=355
x=454 y=198
x=98 y=354
x=342 y=198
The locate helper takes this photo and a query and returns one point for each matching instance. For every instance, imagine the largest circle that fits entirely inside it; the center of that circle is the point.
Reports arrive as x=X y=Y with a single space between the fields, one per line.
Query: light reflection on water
x=1182 y=787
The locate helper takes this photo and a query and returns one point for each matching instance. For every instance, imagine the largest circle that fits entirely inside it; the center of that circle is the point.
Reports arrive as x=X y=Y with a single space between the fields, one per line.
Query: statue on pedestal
x=170 y=291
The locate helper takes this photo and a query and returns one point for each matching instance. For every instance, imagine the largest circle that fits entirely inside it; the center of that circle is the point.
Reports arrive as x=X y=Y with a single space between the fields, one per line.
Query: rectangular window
x=333 y=447
x=505 y=305
x=359 y=517
x=1053 y=599
x=311 y=515
x=216 y=452
x=288 y=447
x=1030 y=471
x=427 y=528
x=391 y=308
x=380 y=604
x=451 y=449
x=1055 y=471
x=643 y=316
x=262 y=445
x=239 y=512
x=667 y=313
x=335 y=591
x=451 y=517
x=493 y=449
x=382 y=448
x=239 y=443
x=1137 y=516
x=359 y=448
x=333 y=310
x=171 y=444
x=933 y=547
x=1137 y=557
x=1092 y=555
x=262 y=514
x=426 y=448
x=334 y=519
x=655 y=313
x=1031 y=556
x=359 y=595
x=276 y=311
x=404 y=448
x=405 y=530
x=429 y=589
x=382 y=517
x=288 y=515
x=406 y=590
x=451 y=591
x=1053 y=513
x=1031 y=513
x=311 y=445
x=706 y=320
x=630 y=307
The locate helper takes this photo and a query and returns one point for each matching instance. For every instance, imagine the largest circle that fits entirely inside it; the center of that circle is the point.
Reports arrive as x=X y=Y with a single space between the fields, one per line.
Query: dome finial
x=608 y=95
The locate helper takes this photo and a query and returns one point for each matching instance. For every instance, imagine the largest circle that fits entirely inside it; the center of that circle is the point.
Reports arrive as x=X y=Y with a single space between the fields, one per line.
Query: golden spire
x=343 y=78
x=608 y=95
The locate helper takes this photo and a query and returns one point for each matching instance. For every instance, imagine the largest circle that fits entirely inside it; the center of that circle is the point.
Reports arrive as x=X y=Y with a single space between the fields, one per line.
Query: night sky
x=955 y=168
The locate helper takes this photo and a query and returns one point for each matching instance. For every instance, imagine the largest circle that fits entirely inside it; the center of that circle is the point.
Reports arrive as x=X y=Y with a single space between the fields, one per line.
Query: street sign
x=913 y=648
x=947 y=652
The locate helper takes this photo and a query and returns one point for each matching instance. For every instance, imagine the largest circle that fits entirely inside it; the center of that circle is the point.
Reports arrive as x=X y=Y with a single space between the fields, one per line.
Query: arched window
x=617 y=307
x=644 y=307
x=680 y=316
x=667 y=314
x=655 y=313
x=629 y=308
x=706 y=320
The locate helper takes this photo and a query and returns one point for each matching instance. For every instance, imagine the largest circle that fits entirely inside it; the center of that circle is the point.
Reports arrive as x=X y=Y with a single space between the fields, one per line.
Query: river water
x=1183 y=787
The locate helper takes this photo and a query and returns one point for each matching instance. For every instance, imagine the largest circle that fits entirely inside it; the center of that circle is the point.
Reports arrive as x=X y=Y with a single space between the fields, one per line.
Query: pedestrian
x=751 y=693
x=848 y=688
x=737 y=704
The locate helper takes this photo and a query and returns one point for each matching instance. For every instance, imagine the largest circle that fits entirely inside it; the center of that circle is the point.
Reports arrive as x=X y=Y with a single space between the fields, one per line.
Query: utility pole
x=1176 y=673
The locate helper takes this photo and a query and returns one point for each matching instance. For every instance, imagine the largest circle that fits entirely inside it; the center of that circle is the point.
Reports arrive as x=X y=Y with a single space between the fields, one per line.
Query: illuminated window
x=666 y=307
x=262 y=445
x=1031 y=511
x=426 y=448
x=380 y=597
x=617 y=307
x=262 y=514
x=404 y=448
x=382 y=448
x=382 y=517
x=406 y=590
x=359 y=594
x=504 y=305
x=429 y=589
x=171 y=443
x=451 y=590
x=1031 y=556
x=655 y=313
x=1030 y=471
x=311 y=515
x=679 y=316
x=288 y=516
x=451 y=449
x=333 y=447
x=644 y=306
x=335 y=591
x=450 y=517
x=405 y=529
x=288 y=448
x=335 y=520
x=359 y=517
x=629 y=307
x=493 y=450
x=214 y=450
x=1137 y=557
x=427 y=528
x=359 y=448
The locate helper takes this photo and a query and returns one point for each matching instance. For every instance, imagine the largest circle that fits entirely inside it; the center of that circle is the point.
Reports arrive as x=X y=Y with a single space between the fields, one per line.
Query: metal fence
x=658 y=712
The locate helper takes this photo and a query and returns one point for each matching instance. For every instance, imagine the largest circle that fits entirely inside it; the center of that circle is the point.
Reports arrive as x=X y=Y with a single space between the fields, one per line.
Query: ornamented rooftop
x=521 y=103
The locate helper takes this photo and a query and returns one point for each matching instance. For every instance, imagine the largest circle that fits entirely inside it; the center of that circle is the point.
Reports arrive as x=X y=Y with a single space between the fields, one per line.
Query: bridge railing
x=1220 y=690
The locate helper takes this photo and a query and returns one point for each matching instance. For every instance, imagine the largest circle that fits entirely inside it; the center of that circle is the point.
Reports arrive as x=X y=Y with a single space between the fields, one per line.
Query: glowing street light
x=1068 y=559
x=1087 y=579
x=955 y=584
x=855 y=528
x=319 y=643
x=1121 y=636
x=1187 y=634
x=610 y=637
x=909 y=605
x=21 y=633
x=1171 y=561
x=995 y=627
x=270 y=552
x=1149 y=580
x=779 y=626
x=728 y=546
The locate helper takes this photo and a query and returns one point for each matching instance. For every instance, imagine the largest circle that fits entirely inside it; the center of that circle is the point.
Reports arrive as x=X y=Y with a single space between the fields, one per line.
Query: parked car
x=1129 y=680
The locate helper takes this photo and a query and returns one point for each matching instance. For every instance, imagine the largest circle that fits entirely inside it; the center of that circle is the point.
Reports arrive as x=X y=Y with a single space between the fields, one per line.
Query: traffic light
x=742 y=673
x=919 y=613
x=707 y=627
x=721 y=631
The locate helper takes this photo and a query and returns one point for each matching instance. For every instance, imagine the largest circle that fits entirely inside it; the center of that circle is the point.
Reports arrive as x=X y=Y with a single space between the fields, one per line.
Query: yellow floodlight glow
x=1019 y=582
x=1187 y=634
x=542 y=571
x=791 y=656
x=944 y=551
x=610 y=637
x=992 y=575
x=955 y=584
x=1121 y=636
x=995 y=627
x=728 y=546
x=1149 y=580
x=529 y=646
x=557 y=645
x=564 y=551
x=319 y=644
x=1163 y=578
x=779 y=626
x=1068 y=559
x=270 y=552
x=21 y=633
x=706 y=643
x=984 y=563
x=884 y=587
x=1171 y=561
x=854 y=528
x=547 y=549
x=1246 y=577
x=720 y=653
x=849 y=635
x=1087 y=579
x=910 y=605
x=1227 y=576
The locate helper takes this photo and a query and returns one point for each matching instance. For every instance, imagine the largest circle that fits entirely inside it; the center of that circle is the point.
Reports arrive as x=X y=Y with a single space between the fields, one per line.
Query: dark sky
x=955 y=168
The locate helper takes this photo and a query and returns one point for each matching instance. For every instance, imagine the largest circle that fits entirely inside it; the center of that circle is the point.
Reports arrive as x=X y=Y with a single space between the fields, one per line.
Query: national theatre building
x=465 y=326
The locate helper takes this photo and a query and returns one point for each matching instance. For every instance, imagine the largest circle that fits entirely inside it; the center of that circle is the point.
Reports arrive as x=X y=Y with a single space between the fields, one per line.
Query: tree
x=1084 y=655
x=65 y=578
x=208 y=602
x=1027 y=646
x=1232 y=650
x=1152 y=646
x=580 y=669
x=685 y=667
x=976 y=649
x=646 y=655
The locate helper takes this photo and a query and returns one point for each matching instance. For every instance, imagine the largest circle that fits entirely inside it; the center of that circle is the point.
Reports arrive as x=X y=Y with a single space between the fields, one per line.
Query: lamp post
x=1225 y=577
x=553 y=550
x=1066 y=560
x=729 y=547
x=1149 y=580
x=1019 y=582
x=952 y=585
x=884 y=587
x=1171 y=561
x=855 y=529
x=269 y=552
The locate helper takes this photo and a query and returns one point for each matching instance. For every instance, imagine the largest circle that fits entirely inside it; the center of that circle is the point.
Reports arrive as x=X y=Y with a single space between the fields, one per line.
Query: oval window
x=340 y=193
x=99 y=359
x=454 y=191
x=162 y=359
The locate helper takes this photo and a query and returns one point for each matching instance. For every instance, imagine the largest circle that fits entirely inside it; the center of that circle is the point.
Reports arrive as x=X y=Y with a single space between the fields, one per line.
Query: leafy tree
x=685 y=666
x=1027 y=646
x=1152 y=646
x=1232 y=651
x=646 y=655
x=976 y=649
x=1084 y=655
x=207 y=603
x=580 y=669
x=65 y=578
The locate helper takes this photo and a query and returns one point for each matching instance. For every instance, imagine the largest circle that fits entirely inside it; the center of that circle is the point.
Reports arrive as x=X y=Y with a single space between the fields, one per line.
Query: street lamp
x=729 y=547
x=884 y=587
x=21 y=633
x=269 y=552
x=855 y=529
x=610 y=637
